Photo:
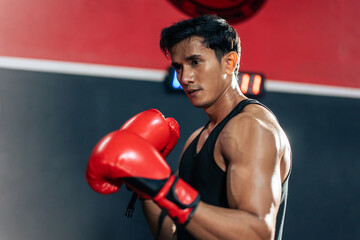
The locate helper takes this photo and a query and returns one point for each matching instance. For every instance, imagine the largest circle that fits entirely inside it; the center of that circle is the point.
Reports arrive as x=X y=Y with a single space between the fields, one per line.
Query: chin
x=199 y=104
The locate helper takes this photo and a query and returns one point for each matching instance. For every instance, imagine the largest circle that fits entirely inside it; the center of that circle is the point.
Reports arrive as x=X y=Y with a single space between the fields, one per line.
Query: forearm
x=210 y=222
x=152 y=214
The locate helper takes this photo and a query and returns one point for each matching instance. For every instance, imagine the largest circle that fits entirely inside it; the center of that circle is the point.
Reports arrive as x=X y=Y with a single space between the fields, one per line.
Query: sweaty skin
x=252 y=148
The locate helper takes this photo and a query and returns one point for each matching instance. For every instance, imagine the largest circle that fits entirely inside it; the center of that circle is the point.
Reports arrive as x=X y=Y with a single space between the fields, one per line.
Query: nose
x=186 y=76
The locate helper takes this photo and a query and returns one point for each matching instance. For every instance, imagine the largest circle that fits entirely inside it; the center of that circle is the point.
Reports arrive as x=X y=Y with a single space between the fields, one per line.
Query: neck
x=224 y=104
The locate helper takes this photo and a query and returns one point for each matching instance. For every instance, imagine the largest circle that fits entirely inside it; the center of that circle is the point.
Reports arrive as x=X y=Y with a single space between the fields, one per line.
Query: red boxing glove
x=122 y=156
x=163 y=133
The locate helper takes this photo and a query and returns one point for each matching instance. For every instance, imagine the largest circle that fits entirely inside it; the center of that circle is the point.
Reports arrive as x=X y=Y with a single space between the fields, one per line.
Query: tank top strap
x=241 y=105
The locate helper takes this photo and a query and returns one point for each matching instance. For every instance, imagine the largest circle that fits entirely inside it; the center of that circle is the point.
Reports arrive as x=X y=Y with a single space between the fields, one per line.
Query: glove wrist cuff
x=179 y=198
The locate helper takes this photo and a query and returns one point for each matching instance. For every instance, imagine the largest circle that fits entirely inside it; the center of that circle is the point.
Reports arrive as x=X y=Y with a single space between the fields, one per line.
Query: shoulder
x=254 y=119
x=253 y=131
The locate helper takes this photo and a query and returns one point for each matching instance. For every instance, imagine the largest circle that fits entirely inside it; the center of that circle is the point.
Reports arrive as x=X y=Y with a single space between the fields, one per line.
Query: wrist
x=179 y=199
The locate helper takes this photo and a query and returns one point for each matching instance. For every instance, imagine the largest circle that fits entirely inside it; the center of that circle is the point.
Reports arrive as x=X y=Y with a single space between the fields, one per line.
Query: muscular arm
x=252 y=151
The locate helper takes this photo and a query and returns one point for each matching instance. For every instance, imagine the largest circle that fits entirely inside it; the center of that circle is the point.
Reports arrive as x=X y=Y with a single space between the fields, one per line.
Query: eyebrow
x=192 y=57
x=188 y=59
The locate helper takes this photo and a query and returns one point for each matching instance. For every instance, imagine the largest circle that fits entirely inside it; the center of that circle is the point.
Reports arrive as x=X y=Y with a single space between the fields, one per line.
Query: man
x=233 y=172
x=240 y=161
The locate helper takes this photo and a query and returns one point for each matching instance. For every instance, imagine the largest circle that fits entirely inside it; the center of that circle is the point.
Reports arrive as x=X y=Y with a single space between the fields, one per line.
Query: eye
x=195 y=62
x=177 y=67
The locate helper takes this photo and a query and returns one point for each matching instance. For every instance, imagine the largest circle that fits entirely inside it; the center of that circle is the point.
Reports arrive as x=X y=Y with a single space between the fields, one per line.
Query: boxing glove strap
x=179 y=199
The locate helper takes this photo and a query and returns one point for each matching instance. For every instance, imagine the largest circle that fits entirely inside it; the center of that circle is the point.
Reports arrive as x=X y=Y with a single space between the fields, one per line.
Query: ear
x=231 y=60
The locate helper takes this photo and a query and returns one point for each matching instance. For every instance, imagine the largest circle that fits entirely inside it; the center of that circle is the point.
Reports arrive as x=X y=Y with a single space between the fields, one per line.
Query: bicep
x=253 y=173
x=253 y=190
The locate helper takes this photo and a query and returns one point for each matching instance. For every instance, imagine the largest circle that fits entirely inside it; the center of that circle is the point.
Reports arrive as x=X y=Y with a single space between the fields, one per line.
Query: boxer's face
x=199 y=72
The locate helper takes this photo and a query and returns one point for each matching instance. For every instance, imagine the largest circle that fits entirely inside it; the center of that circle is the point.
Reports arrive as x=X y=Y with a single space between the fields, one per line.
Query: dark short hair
x=217 y=33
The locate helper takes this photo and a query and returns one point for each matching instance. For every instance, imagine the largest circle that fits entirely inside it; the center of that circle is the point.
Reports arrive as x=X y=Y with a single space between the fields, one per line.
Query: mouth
x=192 y=92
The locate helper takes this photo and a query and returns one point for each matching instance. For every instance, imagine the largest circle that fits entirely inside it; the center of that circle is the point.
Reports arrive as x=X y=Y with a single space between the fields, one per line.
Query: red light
x=245 y=79
x=256 y=84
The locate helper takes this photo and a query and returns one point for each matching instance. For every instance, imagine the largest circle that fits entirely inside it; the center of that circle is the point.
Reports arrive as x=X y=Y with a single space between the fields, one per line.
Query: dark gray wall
x=49 y=124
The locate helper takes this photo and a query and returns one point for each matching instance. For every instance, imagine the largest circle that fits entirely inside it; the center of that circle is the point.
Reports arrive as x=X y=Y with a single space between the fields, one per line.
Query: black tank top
x=202 y=173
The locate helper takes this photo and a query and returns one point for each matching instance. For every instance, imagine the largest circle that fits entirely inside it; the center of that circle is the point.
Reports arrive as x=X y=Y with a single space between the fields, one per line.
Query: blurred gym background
x=72 y=71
